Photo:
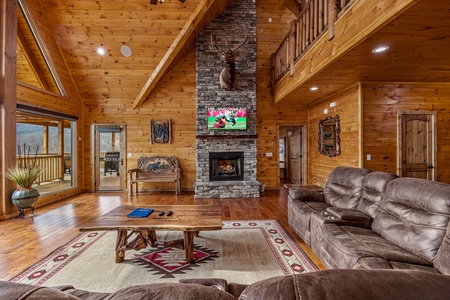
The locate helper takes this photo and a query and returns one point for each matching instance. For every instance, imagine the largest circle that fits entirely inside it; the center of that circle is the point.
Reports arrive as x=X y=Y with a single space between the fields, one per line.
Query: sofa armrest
x=350 y=217
x=306 y=195
x=348 y=214
x=218 y=283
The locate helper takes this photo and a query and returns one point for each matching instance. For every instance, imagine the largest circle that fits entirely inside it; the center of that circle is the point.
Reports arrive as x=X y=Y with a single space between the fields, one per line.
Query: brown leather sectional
x=328 y=284
x=374 y=220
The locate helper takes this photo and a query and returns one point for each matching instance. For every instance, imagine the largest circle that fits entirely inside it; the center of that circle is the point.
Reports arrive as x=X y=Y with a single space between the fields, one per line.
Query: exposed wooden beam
x=31 y=59
x=183 y=37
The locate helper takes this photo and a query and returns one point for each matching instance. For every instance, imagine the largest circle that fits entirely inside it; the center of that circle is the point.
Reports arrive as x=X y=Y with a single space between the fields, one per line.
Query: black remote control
x=161 y=213
x=169 y=213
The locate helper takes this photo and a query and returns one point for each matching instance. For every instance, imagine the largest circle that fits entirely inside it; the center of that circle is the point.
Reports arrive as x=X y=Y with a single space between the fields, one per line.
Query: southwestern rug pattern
x=243 y=252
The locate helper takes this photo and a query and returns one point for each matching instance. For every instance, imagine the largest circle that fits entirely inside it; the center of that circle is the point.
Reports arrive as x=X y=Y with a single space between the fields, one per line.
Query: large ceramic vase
x=23 y=198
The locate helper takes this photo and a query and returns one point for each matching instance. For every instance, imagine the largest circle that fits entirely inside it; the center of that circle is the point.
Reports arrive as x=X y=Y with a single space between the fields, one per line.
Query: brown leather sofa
x=328 y=284
x=398 y=223
x=346 y=188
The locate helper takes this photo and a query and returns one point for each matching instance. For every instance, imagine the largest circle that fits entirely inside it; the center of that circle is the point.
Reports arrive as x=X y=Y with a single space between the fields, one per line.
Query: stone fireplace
x=237 y=147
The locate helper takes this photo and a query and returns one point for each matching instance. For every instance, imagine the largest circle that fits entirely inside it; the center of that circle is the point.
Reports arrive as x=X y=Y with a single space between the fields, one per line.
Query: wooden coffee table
x=187 y=218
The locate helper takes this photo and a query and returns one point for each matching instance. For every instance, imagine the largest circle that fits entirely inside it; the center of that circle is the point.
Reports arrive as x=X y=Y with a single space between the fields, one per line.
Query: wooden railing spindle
x=316 y=17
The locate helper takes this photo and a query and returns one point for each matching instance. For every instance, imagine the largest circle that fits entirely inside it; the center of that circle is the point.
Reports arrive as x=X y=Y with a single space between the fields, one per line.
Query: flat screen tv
x=227 y=118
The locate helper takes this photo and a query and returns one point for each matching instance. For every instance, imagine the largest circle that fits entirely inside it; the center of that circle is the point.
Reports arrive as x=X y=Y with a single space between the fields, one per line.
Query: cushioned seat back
x=414 y=215
x=344 y=186
x=442 y=261
x=374 y=187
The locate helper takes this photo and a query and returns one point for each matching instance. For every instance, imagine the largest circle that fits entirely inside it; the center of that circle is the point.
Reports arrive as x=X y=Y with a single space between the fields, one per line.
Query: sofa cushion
x=381 y=263
x=163 y=291
x=348 y=245
x=374 y=187
x=14 y=291
x=344 y=187
x=299 y=216
x=352 y=284
x=414 y=215
x=442 y=261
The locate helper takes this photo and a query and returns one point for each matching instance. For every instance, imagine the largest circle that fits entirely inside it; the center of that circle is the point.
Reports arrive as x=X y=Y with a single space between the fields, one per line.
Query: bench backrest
x=154 y=165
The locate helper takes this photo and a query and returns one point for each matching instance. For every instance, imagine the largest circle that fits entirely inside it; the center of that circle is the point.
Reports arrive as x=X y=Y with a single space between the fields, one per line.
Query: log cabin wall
x=348 y=108
x=269 y=116
x=381 y=101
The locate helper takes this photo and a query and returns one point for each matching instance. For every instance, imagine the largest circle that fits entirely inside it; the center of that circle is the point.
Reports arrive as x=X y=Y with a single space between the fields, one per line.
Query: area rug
x=242 y=252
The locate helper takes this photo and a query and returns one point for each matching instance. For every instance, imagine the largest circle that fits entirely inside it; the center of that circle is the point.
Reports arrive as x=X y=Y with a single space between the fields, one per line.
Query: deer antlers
x=227 y=76
x=215 y=48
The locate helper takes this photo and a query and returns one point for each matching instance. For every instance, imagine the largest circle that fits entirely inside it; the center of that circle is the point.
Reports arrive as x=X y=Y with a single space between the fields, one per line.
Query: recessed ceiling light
x=101 y=51
x=313 y=88
x=380 y=49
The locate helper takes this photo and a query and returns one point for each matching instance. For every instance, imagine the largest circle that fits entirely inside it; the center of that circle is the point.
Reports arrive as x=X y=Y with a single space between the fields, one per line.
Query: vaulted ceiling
x=161 y=35
x=158 y=36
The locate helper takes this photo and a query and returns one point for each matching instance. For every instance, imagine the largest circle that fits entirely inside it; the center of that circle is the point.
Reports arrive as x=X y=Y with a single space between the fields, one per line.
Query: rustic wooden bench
x=155 y=169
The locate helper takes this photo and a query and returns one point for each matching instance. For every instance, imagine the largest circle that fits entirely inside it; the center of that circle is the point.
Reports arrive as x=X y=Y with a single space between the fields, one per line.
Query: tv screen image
x=227 y=118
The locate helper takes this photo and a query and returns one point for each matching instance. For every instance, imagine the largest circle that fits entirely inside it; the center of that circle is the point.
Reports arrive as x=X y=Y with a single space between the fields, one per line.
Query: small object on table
x=140 y=213
x=161 y=213
x=169 y=213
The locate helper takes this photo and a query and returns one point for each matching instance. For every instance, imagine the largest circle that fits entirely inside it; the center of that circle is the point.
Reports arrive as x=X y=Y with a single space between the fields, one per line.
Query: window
x=52 y=135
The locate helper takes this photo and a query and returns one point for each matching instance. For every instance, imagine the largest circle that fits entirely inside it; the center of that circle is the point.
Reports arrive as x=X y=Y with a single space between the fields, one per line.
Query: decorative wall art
x=329 y=136
x=160 y=131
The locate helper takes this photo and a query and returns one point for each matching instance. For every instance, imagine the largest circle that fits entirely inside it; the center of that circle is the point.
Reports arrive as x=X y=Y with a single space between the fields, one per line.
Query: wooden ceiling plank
x=183 y=37
x=31 y=59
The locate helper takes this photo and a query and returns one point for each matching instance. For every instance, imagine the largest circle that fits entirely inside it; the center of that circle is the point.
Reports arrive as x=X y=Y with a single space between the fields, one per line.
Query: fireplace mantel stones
x=227 y=189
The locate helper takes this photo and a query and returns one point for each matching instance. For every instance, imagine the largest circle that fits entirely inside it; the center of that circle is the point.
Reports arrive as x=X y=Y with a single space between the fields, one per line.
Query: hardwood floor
x=25 y=241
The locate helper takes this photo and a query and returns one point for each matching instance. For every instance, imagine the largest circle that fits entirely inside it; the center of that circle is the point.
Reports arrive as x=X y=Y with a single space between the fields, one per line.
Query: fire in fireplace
x=226 y=166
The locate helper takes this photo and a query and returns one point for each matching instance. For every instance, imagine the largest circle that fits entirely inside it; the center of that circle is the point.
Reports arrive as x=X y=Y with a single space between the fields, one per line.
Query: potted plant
x=24 y=175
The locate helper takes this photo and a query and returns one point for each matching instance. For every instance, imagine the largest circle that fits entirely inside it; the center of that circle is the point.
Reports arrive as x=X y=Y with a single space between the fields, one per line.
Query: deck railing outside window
x=315 y=18
x=53 y=166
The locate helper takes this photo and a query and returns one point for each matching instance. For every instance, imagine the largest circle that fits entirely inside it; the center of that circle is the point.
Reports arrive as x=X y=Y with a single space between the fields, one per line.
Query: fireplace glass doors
x=226 y=166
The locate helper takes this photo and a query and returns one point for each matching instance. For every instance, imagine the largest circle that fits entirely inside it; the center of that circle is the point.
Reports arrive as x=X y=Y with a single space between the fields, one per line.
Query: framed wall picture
x=160 y=131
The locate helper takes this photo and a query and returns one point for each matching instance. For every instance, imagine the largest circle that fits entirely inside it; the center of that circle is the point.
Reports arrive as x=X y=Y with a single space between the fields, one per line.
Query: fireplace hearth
x=226 y=166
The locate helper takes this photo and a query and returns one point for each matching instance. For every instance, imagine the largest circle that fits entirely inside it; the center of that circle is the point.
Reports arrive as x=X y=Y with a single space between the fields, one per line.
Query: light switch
x=130 y=154
x=269 y=154
x=369 y=156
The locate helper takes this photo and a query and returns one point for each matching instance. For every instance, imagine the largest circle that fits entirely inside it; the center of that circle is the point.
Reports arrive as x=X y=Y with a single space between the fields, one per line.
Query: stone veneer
x=239 y=18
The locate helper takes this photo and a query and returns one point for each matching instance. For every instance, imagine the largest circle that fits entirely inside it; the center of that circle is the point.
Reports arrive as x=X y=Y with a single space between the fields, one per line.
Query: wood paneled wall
x=381 y=101
x=268 y=37
x=173 y=98
x=348 y=108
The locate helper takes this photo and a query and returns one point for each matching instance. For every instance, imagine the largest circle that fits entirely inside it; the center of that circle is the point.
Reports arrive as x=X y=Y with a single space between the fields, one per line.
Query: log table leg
x=121 y=243
x=189 y=246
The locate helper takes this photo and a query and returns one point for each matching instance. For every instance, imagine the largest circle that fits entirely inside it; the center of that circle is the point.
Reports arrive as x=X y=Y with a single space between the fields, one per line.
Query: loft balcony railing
x=53 y=166
x=316 y=17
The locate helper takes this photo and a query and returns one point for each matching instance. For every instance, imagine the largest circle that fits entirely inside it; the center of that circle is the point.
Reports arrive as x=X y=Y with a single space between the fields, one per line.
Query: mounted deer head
x=227 y=76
